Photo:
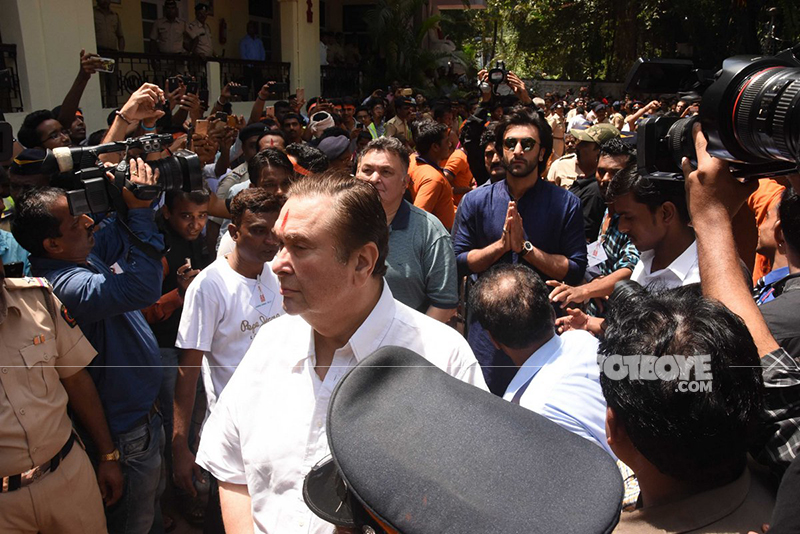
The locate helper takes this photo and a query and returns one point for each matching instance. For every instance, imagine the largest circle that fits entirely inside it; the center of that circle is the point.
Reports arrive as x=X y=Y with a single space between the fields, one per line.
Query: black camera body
x=498 y=74
x=750 y=114
x=182 y=171
x=6 y=141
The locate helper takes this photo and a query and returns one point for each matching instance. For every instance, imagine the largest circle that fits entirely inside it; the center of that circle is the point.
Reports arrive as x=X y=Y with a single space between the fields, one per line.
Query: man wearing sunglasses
x=522 y=219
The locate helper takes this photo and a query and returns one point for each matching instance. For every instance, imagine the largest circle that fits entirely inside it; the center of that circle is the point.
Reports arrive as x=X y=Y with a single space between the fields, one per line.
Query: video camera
x=749 y=111
x=182 y=171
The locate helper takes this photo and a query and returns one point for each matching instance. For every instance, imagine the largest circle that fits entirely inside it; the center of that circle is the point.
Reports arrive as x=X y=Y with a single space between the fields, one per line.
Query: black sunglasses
x=528 y=143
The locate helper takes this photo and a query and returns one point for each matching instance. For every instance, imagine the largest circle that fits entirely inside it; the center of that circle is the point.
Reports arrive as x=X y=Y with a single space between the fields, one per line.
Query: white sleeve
x=470 y=372
x=226 y=245
x=220 y=449
x=200 y=317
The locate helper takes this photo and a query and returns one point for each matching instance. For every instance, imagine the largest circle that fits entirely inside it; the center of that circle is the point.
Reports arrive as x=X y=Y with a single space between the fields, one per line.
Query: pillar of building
x=300 y=44
x=49 y=37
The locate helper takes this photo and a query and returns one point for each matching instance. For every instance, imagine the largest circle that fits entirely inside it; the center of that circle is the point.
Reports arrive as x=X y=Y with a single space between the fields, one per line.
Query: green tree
x=398 y=32
x=600 y=39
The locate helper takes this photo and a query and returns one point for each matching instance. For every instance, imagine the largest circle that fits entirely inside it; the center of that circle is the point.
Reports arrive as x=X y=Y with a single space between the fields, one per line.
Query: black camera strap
x=122 y=213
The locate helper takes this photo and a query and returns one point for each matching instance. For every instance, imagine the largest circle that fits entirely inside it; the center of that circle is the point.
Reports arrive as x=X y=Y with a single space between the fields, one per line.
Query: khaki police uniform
x=40 y=344
x=559 y=127
x=202 y=32
x=564 y=171
x=168 y=35
x=107 y=29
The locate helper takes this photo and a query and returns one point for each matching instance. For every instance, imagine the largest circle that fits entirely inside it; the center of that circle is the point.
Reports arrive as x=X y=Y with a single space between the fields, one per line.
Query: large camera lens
x=680 y=142
x=182 y=171
x=767 y=115
x=751 y=114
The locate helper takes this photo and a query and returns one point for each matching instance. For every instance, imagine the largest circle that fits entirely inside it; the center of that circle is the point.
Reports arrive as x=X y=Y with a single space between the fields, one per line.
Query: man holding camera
x=127 y=371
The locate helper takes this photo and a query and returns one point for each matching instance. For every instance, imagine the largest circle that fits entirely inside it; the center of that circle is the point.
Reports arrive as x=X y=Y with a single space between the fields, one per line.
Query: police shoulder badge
x=68 y=318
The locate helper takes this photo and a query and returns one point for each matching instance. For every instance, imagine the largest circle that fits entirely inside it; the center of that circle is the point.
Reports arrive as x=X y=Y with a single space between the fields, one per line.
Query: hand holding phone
x=201 y=127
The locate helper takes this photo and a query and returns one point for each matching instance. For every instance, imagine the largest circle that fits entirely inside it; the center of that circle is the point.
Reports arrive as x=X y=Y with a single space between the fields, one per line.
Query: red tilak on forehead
x=285 y=218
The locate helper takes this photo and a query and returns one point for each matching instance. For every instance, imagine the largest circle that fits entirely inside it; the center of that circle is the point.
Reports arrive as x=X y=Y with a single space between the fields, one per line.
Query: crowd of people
x=227 y=340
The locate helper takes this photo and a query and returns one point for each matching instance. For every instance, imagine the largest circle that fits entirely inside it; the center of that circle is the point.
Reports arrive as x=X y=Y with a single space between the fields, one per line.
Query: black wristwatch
x=527 y=246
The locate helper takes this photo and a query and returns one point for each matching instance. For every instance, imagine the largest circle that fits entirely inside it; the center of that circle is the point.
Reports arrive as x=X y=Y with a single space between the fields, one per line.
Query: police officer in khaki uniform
x=559 y=126
x=47 y=483
x=166 y=36
x=198 y=33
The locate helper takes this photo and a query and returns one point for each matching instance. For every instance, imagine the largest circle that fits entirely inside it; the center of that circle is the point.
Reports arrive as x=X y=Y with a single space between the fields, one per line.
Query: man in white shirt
x=224 y=307
x=654 y=215
x=268 y=428
x=558 y=376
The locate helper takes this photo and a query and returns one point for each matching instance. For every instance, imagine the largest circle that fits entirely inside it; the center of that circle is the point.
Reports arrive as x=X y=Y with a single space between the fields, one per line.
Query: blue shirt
x=252 y=48
x=551 y=217
x=12 y=252
x=561 y=381
x=764 y=291
x=127 y=369
x=553 y=222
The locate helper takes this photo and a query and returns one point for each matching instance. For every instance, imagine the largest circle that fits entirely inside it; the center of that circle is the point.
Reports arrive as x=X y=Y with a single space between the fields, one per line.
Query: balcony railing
x=134 y=69
x=254 y=74
x=10 y=95
x=340 y=81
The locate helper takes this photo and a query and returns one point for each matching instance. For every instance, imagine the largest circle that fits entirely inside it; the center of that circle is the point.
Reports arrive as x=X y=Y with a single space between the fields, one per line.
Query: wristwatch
x=112 y=456
x=527 y=246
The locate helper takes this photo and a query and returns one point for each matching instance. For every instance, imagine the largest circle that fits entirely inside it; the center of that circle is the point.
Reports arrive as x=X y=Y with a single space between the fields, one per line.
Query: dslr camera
x=182 y=171
x=749 y=111
x=498 y=74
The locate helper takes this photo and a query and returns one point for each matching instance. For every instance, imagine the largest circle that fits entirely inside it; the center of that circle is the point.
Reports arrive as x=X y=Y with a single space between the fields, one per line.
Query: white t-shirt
x=268 y=429
x=683 y=270
x=222 y=312
x=226 y=245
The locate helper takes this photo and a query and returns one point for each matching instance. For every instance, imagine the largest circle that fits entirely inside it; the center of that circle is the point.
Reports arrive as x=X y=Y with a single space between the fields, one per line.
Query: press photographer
x=76 y=260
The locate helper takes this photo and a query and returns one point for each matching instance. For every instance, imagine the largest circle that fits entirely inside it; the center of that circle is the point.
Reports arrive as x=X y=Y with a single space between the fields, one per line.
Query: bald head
x=510 y=302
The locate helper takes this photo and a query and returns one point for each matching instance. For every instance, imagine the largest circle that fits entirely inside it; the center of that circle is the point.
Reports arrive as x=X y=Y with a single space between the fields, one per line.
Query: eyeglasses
x=528 y=143
x=56 y=134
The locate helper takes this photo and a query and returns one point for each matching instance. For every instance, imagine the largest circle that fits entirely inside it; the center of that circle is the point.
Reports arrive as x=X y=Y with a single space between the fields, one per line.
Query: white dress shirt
x=268 y=428
x=561 y=381
x=683 y=270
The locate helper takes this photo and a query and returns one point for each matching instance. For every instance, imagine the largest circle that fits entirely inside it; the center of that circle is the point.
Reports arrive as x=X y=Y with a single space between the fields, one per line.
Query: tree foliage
x=398 y=31
x=600 y=39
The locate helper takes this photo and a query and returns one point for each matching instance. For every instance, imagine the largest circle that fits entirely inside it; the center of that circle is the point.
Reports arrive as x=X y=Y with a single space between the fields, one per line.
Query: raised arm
x=714 y=197
x=89 y=64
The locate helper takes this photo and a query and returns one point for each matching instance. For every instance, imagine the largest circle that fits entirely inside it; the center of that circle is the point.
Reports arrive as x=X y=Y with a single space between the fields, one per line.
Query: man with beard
x=225 y=307
x=522 y=219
